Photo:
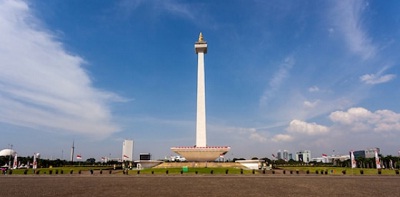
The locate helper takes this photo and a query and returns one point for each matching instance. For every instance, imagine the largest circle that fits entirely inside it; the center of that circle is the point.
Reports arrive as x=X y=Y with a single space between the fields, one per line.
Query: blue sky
x=294 y=75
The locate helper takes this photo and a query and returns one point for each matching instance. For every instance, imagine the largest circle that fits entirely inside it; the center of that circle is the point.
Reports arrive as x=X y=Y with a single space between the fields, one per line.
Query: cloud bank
x=355 y=123
x=360 y=119
x=42 y=85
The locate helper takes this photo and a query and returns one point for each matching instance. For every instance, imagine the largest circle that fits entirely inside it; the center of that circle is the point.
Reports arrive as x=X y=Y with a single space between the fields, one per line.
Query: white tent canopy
x=7 y=152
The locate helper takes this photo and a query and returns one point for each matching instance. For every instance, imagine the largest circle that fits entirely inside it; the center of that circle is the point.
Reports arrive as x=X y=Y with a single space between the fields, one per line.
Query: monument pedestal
x=208 y=153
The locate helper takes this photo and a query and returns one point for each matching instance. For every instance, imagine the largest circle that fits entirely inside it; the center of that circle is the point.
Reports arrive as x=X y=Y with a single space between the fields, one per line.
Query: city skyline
x=316 y=76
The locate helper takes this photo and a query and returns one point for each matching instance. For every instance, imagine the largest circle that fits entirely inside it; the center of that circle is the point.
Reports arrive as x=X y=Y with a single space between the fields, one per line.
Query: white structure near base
x=142 y=164
x=251 y=164
x=201 y=152
x=127 y=150
x=209 y=153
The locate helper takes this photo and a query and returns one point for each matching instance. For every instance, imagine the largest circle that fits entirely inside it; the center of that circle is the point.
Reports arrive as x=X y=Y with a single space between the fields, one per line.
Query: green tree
x=91 y=160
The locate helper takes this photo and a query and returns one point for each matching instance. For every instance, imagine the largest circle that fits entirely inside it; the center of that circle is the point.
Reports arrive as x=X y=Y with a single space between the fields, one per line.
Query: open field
x=199 y=185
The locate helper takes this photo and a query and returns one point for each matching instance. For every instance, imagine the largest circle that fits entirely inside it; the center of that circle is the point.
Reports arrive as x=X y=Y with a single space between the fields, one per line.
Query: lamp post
x=9 y=157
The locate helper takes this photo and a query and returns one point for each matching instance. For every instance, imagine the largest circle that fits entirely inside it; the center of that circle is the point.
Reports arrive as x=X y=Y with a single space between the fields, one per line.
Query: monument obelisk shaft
x=201 y=152
x=201 y=49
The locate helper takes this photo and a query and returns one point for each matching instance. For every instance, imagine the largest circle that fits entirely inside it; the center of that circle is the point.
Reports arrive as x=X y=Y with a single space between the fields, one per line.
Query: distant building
x=285 y=155
x=290 y=156
x=304 y=156
x=144 y=156
x=331 y=159
x=367 y=153
x=127 y=150
x=279 y=154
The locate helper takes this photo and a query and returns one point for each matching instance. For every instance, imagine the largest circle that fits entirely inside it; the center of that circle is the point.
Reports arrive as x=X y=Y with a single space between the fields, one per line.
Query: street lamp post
x=9 y=157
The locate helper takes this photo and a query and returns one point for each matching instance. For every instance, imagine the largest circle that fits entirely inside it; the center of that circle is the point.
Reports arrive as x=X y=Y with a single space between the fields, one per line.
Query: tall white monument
x=201 y=152
x=201 y=48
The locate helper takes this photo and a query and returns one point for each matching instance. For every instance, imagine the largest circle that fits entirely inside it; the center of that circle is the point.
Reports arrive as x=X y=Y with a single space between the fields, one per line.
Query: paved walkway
x=203 y=185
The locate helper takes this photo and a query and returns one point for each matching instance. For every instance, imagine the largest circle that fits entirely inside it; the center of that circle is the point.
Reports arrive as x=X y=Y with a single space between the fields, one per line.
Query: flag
x=78 y=157
x=391 y=164
x=103 y=158
x=353 y=160
x=34 y=165
x=125 y=156
x=273 y=156
x=324 y=155
x=15 y=164
x=377 y=162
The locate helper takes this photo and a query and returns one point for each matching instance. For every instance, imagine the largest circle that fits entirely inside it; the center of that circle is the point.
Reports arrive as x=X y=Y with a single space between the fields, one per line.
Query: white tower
x=127 y=150
x=201 y=48
x=201 y=152
x=72 y=151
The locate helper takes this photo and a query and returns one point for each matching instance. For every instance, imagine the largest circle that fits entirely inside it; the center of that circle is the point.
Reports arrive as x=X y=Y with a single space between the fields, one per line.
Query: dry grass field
x=200 y=185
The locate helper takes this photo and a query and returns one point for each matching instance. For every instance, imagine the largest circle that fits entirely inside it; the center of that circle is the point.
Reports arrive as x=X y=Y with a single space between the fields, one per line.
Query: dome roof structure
x=7 y=152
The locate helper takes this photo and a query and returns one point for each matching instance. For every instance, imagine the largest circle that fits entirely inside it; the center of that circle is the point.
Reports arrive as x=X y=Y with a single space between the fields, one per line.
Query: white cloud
x=176 y=8
x=348 y=17
x=309 y=104
x=361 y=119
x=352 y=115
x=331 y=31
x=277 y=79
x=377 y=78
x=313 y=89
x=282 y=138
x=250 y=133
x=183 y=10
x=42 y=85
x=257 y=137
x=374 y=79
x=298 y=126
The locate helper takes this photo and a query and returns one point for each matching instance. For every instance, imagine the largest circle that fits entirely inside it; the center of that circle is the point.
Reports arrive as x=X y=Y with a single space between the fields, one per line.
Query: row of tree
x=45 y=163
x=388 y=161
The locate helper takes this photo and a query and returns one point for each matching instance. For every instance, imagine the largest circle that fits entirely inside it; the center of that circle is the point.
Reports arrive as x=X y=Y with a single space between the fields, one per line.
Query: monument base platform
x=208 y=153
x=147 y=163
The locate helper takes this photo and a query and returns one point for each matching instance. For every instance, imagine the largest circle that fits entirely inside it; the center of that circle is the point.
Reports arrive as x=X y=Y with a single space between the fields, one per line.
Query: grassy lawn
x=338 y=170
x=59 y=170
x=67 y=170
x=193 y=171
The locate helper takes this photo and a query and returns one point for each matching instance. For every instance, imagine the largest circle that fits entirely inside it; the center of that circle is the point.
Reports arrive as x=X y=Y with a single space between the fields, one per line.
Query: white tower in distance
x=127 y=150
x=201 y=49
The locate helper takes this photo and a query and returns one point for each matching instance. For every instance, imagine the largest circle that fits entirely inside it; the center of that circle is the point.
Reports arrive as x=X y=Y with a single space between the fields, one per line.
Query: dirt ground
x=201 y=185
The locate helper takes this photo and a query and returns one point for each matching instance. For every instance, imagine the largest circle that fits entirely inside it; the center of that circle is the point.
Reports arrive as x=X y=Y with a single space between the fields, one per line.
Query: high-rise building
x=127 y=150
x=72 y=151
x=303 y=156
x=279 y=155
x=367 y=153
x=285 y=155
